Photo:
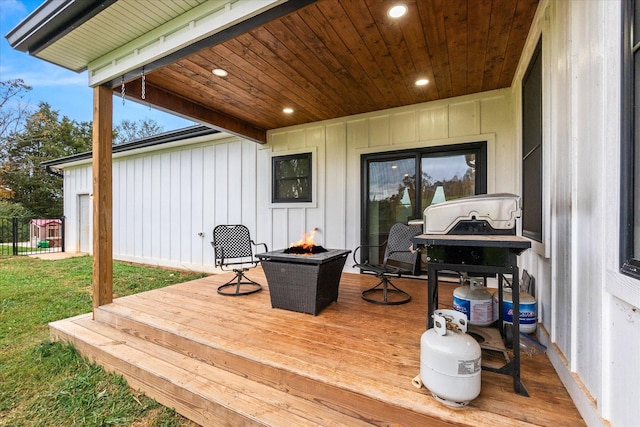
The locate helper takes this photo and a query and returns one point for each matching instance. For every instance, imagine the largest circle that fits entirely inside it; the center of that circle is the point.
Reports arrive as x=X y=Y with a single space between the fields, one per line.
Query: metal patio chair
x=233 y=248
x=399 y=260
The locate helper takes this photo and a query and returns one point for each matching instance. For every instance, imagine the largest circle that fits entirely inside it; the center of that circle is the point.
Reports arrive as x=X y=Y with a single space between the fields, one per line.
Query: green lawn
x=49 y=384
x=7 y=249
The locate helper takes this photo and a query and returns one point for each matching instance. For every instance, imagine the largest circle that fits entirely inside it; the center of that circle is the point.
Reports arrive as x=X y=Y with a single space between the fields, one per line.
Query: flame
x=306 y=242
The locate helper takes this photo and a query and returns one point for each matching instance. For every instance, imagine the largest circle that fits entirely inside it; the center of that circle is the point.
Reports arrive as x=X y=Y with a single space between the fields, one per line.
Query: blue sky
x=66 y=91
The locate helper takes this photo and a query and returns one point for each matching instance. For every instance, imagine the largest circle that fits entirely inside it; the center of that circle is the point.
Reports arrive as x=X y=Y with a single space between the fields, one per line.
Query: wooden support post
x=102 y=197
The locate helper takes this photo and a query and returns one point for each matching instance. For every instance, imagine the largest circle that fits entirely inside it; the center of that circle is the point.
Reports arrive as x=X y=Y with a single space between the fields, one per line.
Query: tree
x=129 y=130
x=12 y=110
x=12 y=115
x=27 y=139
x=44 y=137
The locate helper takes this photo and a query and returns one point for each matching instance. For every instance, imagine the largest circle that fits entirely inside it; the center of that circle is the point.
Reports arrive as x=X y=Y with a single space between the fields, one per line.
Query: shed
x=46 y=233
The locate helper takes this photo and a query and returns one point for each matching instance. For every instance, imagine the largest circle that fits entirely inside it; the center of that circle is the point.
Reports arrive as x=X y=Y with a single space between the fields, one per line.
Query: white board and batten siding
x=589 y=309
x=337 y=146
x=166 y=202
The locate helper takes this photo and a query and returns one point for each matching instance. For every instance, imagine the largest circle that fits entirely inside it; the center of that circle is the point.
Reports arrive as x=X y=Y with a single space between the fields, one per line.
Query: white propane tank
x=528 y=311
x=475 y=302
x=450 y=360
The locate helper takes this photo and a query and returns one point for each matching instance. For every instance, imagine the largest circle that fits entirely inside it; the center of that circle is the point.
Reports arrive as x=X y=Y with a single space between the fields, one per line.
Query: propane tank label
x=477 y=312
x=527 y=313
x=468 y=367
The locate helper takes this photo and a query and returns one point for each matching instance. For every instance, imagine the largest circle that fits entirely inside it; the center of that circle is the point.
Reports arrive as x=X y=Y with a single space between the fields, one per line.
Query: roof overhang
x=50 y=22
x=323 y=59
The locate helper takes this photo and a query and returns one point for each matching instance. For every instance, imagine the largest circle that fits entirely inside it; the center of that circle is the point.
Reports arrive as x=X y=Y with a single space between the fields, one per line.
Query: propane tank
x=450 y=360
x=475 y=302
x=528 y=311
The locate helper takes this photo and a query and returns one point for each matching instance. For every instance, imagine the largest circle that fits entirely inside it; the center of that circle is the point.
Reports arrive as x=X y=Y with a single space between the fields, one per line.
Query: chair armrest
x=266 y=249
x=355 y=259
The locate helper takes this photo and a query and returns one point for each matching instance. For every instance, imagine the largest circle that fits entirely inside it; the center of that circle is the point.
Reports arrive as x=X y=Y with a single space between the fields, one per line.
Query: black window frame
x=532 y=155
x=274 y=180
x=629 y=137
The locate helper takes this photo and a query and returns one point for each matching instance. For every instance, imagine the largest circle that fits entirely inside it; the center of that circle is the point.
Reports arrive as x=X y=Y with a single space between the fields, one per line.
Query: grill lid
x=498 y=211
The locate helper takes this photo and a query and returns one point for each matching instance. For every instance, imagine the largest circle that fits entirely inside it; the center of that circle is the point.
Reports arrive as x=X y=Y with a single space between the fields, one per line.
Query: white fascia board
x=201 y=22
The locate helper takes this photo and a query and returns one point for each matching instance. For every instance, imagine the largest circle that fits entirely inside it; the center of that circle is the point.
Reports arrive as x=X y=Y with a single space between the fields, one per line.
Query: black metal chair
x=233 y=247
x=399 y=259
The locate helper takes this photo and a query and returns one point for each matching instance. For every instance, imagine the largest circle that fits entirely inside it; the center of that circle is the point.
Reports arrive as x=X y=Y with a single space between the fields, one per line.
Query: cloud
x=45 y=75
x=12 y=6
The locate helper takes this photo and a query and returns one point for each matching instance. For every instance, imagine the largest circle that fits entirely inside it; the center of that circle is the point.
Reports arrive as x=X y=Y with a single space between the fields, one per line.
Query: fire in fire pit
x=306 y=245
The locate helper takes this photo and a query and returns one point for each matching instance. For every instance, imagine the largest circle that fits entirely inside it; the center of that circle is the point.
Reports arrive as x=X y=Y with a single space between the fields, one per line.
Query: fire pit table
x=306 y=283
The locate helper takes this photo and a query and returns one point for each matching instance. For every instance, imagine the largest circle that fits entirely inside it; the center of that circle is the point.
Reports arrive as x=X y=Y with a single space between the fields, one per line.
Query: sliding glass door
x=398 y=186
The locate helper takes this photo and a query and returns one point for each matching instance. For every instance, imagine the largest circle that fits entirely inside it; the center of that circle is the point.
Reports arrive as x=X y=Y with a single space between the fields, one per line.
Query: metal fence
x=27 y=236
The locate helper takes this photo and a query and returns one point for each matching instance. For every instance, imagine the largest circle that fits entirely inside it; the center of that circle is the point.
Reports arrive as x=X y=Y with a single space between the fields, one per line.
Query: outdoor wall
x=166 y=202
x=588 y=309
x=338 y=144
x=165 y=196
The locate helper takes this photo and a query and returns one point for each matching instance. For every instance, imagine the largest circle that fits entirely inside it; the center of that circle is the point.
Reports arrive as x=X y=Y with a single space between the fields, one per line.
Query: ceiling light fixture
x=287 y=110
x=422 y=82
x=397 y=11
x=220 y=72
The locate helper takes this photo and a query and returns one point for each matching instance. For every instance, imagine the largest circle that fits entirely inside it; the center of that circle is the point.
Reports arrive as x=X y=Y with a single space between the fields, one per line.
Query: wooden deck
x=235 y=361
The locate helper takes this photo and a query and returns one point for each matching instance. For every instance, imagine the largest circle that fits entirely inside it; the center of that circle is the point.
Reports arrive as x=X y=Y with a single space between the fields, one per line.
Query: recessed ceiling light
x=397 y=11
x=220 y=72
x=421 y=82
x=287 y=110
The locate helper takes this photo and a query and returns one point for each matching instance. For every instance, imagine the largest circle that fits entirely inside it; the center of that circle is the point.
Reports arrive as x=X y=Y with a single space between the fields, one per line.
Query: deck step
x=269 y=368
x=206 y=394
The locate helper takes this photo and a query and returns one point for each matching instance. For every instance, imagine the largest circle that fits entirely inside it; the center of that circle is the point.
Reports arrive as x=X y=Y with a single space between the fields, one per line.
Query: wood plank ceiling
x=337 y=58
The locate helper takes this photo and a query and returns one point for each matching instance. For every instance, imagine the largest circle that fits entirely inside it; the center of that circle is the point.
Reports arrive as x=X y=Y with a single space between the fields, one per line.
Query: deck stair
x=224 y=361
x=206 y=394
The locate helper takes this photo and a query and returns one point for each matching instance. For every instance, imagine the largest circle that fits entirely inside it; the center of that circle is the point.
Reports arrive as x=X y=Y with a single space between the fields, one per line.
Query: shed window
x=630 y=139
x=291 y=181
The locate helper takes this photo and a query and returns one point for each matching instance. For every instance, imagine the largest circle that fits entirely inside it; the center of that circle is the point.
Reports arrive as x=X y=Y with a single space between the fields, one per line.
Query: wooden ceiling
x=337 y=58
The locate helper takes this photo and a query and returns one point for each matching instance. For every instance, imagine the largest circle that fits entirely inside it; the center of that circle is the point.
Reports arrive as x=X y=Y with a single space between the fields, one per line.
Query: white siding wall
x=162 y=200
x=595 y=335
x=338 y=144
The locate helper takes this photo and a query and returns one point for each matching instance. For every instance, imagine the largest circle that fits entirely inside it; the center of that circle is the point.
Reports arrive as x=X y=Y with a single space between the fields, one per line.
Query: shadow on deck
x=236 y=361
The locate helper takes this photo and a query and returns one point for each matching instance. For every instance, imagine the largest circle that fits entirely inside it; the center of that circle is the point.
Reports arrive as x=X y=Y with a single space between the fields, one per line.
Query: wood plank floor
x=237 y=361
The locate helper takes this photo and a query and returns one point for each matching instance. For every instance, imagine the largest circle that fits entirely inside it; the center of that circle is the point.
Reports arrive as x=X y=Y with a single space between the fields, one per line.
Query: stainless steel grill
x=484 y=214
x=476 y=235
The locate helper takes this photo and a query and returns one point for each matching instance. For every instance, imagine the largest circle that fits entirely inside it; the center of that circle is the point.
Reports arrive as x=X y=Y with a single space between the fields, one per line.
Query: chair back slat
x=400 y=240
x=232 y=241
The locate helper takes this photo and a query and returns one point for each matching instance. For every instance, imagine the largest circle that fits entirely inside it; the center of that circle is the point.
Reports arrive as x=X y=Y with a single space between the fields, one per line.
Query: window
x=52 y=232
x=630 y=137
x=532 y=148
x=291 y=181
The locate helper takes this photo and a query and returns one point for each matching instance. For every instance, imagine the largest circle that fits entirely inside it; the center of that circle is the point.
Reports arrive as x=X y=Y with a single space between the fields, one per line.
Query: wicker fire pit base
x=303 y=283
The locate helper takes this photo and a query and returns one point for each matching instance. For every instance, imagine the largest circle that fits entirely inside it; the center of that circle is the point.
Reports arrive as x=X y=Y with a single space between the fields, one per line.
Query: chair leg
x=385 y=287
x=242 y=285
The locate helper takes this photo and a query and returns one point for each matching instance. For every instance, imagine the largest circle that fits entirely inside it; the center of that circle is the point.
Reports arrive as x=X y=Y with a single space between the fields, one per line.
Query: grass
x=49 y=384
x=7 y=249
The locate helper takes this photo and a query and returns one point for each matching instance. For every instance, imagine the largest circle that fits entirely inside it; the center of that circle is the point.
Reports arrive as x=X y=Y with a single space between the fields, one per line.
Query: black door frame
x=479 y=148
